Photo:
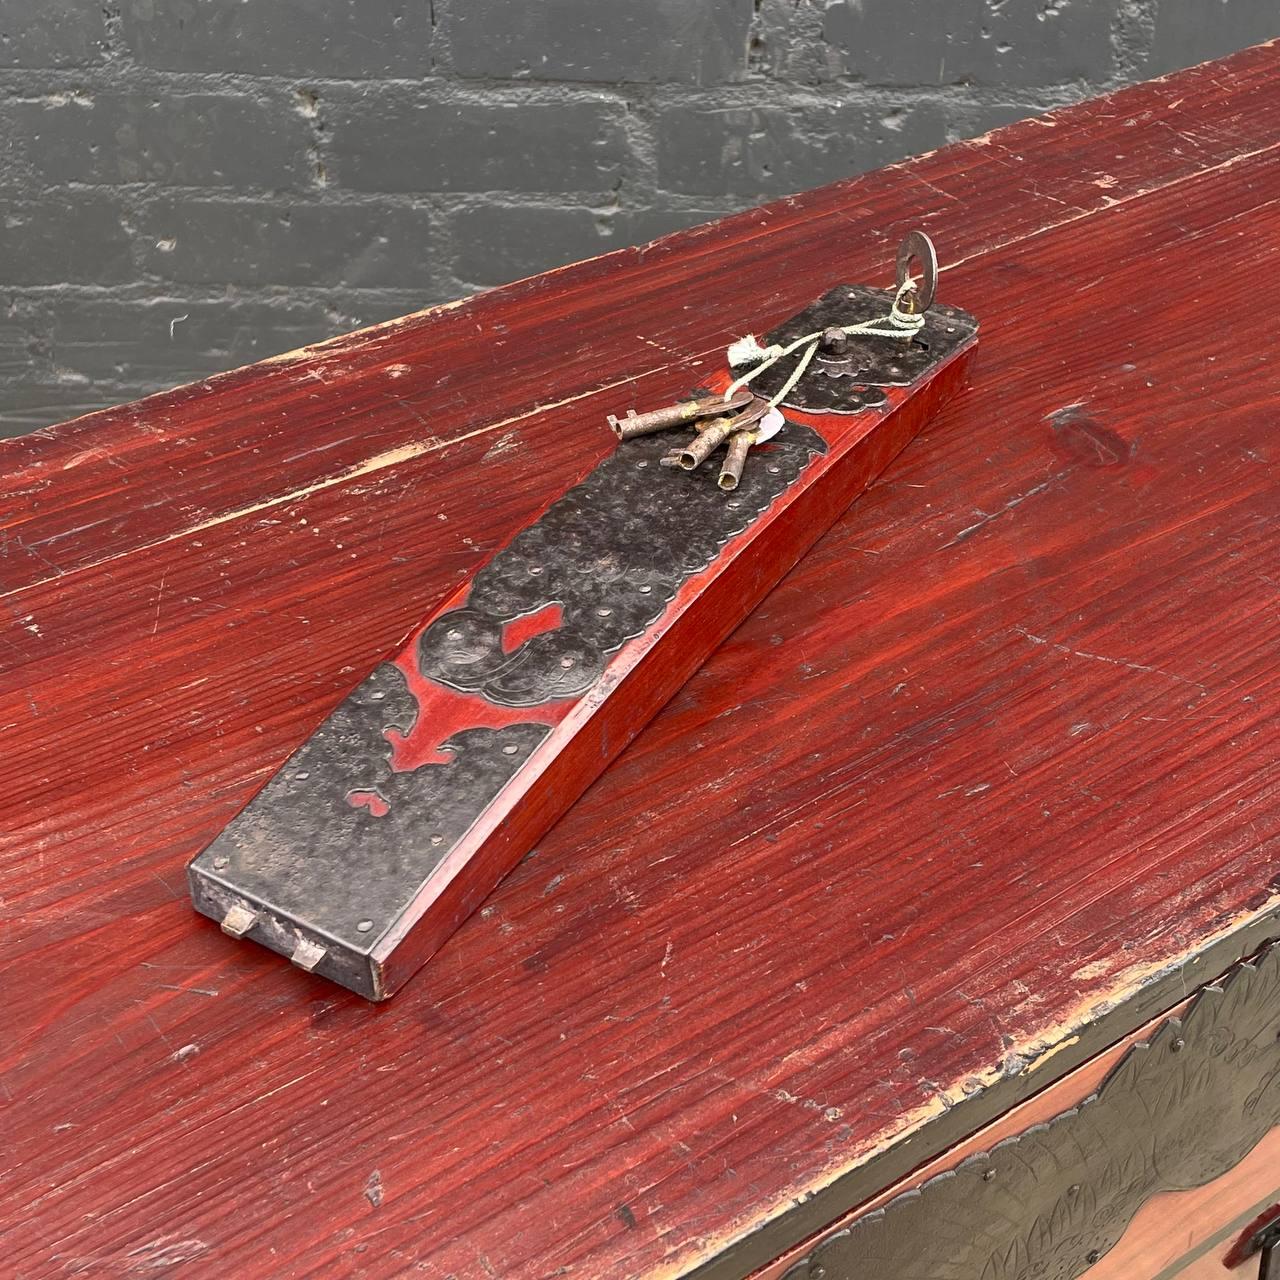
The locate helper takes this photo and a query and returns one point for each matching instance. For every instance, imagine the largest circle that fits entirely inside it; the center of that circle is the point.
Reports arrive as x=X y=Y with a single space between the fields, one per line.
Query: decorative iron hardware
x=1176 y=1112
x=835 y=356
x=849 y=374
x=610 y=554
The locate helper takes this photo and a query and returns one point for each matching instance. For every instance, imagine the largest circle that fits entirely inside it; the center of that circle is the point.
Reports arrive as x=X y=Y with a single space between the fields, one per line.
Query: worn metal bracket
x=849 y=376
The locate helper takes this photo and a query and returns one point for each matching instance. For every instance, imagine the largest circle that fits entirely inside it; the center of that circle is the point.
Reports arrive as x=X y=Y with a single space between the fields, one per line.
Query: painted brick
x=24 y=349
x=51 y=33
x=170 y=340
x=269 y=243
x=972 y=120
x=196 y=139
x=1018 y=42
x=77 y=239
x=340 y=38
x=366 y=306
x=477 y=146
x=500 y=243
x=702 y=42
x=767 y=151
x=288 y=110
x=38 y=403
x=1191 y=31
x=787 y=43
x=639 y=226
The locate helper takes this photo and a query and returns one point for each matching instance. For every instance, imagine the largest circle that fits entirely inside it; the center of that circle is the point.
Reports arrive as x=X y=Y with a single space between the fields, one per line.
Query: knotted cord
x=899 y=323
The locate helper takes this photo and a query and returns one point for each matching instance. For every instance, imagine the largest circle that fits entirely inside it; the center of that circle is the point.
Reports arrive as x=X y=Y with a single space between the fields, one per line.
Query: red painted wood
x=998 y=755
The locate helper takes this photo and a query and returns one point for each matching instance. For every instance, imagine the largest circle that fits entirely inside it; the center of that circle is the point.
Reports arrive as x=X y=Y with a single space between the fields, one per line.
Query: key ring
x=917 y=246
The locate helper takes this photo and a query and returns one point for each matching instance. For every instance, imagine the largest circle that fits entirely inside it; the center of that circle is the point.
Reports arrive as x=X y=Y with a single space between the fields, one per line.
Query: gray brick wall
x=187 y=185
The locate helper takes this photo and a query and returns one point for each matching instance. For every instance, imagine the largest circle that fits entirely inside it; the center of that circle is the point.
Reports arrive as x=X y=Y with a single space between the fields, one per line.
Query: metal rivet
x=437 y=839
x=643 y=463
x=219 y=863
x=1092 y=1256
x=774 y=469
x=1073 y=1189
x=733 y=505
x=988 y=1175
x=644 y=591
x=1178 y=1045
x=364 y=926
x=510 y=749
x=566 y=663
x=535 y=569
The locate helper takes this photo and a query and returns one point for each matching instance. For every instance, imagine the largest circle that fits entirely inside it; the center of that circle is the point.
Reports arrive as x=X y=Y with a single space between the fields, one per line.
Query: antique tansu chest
x=752 y=756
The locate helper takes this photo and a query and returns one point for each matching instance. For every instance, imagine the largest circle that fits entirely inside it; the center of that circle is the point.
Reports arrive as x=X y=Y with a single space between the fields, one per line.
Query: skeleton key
x=643 y=424
x=713 y=436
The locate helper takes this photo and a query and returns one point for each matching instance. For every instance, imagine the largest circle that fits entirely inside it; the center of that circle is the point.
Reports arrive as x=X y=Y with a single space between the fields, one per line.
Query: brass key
x=713 y=436
x=731 y=471
x=643 y=424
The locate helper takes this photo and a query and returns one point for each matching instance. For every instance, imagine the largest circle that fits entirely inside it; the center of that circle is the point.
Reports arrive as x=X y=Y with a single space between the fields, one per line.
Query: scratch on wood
x=155 y=626
x=970 y=530
x=1102 y=657
x=503 y=444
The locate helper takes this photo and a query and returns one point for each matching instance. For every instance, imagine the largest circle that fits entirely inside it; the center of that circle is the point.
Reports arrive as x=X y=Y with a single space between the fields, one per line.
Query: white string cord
x=899 y=323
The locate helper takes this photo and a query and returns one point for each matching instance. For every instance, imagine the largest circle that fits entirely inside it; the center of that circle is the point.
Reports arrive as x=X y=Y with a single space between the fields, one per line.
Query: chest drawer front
x=1182 y=1110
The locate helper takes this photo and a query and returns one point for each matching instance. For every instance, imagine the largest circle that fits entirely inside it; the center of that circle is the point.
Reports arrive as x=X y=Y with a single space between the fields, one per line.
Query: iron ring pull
x=916 y=246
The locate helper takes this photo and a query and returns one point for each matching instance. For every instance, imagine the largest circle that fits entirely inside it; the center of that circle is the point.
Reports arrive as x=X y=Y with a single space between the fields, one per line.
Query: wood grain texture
x=1181 y=1110
x=987 y=782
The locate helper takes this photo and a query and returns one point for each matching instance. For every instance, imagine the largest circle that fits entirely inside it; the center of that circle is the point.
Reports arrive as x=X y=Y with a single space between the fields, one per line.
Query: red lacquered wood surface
x=988 y=781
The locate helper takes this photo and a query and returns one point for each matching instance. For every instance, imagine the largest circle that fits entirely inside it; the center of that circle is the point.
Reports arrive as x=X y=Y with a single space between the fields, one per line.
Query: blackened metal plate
x=338 y=839
x=852 y=381
x=611 y=553
x=339 y=842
